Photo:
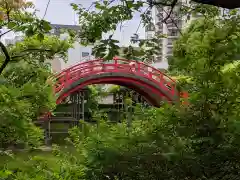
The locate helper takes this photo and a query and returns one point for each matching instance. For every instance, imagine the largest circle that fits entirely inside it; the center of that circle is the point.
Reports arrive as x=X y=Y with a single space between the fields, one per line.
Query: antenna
x=74 y=17
x=74 y=14
x=122 y=32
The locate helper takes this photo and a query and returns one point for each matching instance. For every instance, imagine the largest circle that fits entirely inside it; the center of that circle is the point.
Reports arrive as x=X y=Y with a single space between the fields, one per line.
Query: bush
x=167 y=143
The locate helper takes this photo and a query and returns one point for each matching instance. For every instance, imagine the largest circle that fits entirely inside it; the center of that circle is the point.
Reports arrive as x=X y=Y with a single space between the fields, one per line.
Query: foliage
x=25 y=95
x=208 y=52
x=94 y=98
x=200 y=141
x=130 y=52
x=114 y=89
x=17 y=19
x=16 y=126
x=106 y=52
x=106 y=16
x=148 y=49
x=41 y=50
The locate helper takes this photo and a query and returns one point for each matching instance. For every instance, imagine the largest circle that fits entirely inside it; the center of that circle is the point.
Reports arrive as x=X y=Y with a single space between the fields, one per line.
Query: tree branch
x=8 y=11
x=6 y=32
x=7 y=57
x=28 y=51
x=171 y=11
x=175 y=24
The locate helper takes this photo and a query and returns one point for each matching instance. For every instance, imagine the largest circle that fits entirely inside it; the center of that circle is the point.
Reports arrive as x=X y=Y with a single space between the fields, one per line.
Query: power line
x=46 y=9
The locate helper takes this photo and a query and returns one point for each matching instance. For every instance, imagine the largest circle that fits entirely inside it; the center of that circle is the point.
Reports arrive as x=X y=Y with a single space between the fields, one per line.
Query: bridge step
x=63 y=118
x=58 y=119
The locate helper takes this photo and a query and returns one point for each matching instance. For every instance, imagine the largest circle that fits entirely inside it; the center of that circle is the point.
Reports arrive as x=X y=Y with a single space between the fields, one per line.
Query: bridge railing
x=99 y=66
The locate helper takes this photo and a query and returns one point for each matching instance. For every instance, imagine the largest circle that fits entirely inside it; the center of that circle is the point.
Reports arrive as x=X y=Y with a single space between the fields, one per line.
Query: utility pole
x=122 y=32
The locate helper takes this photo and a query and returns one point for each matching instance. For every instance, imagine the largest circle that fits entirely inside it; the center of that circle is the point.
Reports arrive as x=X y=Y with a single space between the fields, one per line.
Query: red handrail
x=75 y=72
x=146 y=65
x=115 y=59
x=87 y=68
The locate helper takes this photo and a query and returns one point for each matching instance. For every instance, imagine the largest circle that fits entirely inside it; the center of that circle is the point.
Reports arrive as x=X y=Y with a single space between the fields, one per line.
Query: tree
x=208 y=54
x=108 y=15
x=25 y=93
x=17 y=19
x=200 y=141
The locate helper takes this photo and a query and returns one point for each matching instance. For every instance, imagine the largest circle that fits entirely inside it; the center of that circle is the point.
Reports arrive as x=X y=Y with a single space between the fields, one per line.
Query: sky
x=60 y=12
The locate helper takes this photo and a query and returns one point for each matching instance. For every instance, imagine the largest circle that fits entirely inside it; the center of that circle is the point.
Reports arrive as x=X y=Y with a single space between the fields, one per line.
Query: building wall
x=171 y=29
x=76 y=54
x=56 y=65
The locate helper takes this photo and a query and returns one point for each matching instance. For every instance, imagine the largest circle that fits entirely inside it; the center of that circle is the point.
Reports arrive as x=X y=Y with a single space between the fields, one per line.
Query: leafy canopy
x=25 y=93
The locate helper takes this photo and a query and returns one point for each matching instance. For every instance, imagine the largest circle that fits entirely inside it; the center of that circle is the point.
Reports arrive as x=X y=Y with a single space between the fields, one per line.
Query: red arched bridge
x=152 y=84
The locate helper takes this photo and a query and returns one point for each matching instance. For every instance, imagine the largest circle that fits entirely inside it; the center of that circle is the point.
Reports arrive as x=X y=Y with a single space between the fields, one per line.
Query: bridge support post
x=78 y=103
x=47 y=134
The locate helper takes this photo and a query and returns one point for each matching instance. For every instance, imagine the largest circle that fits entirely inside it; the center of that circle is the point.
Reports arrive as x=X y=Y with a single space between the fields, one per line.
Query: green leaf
x=11 y=24
x=29 y=31
x=40 y=36
x=46 y=26
x=74 y=6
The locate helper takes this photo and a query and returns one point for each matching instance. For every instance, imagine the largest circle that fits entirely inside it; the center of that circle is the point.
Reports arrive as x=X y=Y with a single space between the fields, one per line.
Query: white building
x=76 y=54
x=171 y=30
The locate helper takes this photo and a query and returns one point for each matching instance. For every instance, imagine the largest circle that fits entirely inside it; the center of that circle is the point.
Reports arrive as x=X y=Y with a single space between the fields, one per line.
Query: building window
x=170 y=42
x=160 y=24
x=160 y=9
x=173 y=32
x=169 y=51
x=174 y=24
x=150 y=27
x=149 y=36
x=85 y=54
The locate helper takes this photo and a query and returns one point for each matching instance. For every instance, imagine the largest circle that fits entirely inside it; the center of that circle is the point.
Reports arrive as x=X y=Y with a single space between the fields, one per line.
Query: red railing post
x=184 y=95
x=173 y=88
x=115 y=63
x=149 y=72
x=66 y=79
x=138 y=67
x=161 y=79
x=103 y=65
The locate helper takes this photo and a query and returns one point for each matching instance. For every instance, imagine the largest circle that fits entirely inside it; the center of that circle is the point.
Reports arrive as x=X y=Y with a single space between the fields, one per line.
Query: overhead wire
x=46 y=9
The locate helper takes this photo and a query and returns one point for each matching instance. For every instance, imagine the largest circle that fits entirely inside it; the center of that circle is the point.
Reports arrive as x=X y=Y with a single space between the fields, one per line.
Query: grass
x=19 y=159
